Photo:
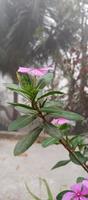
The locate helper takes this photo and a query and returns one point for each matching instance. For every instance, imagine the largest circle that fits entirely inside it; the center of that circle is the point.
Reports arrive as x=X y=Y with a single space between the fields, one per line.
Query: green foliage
x=28 y=91
x=50 y=94
x=77 y=141
x=55 y=112
x=60 y=195
x=27 y=141
x=13 y=87
x=49 y=193
x=52 y=131
x=85 y=152
x=49 y=141
x=24 y=80
x=54 y=103
x=32 y=194
x=21 y=122
x=61 y=163
x=65 y=129
x=80 y=157
x=19 y=90
x=46 y=80
x=26 y=109
x=37 y=108
x=79 y=179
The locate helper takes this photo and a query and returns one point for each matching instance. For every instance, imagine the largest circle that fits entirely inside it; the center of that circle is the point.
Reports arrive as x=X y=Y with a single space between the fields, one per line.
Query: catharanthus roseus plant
x=49 y=115
x=78 y=191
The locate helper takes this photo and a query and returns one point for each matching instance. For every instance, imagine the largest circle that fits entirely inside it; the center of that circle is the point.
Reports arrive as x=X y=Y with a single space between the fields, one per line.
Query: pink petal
x=75 y=198
x=77 y=187
x=37 y=72
x=85 y=183
x=34 y=71
x=60 y=121
x=54 y=121
x=84 y=190
x=23 y=69
x=83 y=198
x=68 y=196
x=45 y=69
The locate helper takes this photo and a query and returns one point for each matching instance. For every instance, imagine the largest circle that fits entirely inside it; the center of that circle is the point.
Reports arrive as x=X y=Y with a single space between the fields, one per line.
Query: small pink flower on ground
x=85 y=183
x=34 y=71
x=60 y=121
x=78 y=192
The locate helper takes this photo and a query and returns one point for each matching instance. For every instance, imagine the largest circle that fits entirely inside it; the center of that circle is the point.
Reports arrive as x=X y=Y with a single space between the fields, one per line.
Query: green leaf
x=24 y=79
x=80 y=156
x=54 y=103
x=21 y=105
x=21 y=122
x=85 y=152
x=27 y=91
x=50 y=196
x=33 y=195
x=15 y=88
x=51 y=93
x=76 y=141
x=55 y=112
x=26 y=109
x=53 y=131
x=41 y=84
x=49 y=141
x=61 y=163
x=65 y=127
x=49 y=193
x=19 y=90
x=60 y=195
x=79 y=179
x=44 y=81
x=43 y=103
x=27 y=141
x=48 y=78
x=12 y=86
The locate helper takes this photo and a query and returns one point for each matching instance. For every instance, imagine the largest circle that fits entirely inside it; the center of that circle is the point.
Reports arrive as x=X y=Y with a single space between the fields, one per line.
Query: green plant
x=49 y=193
x=78 y=191
x=49 y=117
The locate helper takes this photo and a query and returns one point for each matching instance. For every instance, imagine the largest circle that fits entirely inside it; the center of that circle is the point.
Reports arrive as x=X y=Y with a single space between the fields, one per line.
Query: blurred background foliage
x=48 y=33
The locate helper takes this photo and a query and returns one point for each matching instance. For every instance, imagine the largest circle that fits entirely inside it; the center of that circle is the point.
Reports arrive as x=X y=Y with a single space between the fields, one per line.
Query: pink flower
x=34 y=71
x=78 y=192
x=85 y=183
x=60 y=121
x=24 y=70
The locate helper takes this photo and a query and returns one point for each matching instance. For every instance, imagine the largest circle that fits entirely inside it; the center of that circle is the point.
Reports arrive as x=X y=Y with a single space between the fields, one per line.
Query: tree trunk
x=83 y=74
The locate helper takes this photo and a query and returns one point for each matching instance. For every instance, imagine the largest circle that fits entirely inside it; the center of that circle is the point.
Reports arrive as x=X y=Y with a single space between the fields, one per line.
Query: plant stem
x=35 y=106
x=63 y=142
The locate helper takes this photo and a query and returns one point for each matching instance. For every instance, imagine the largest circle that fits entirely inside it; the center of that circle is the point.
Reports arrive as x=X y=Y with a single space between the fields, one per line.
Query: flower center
x=78 y=194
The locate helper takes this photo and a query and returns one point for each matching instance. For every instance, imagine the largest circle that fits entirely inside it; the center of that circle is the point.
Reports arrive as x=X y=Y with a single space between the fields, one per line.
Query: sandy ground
x=27 y=168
